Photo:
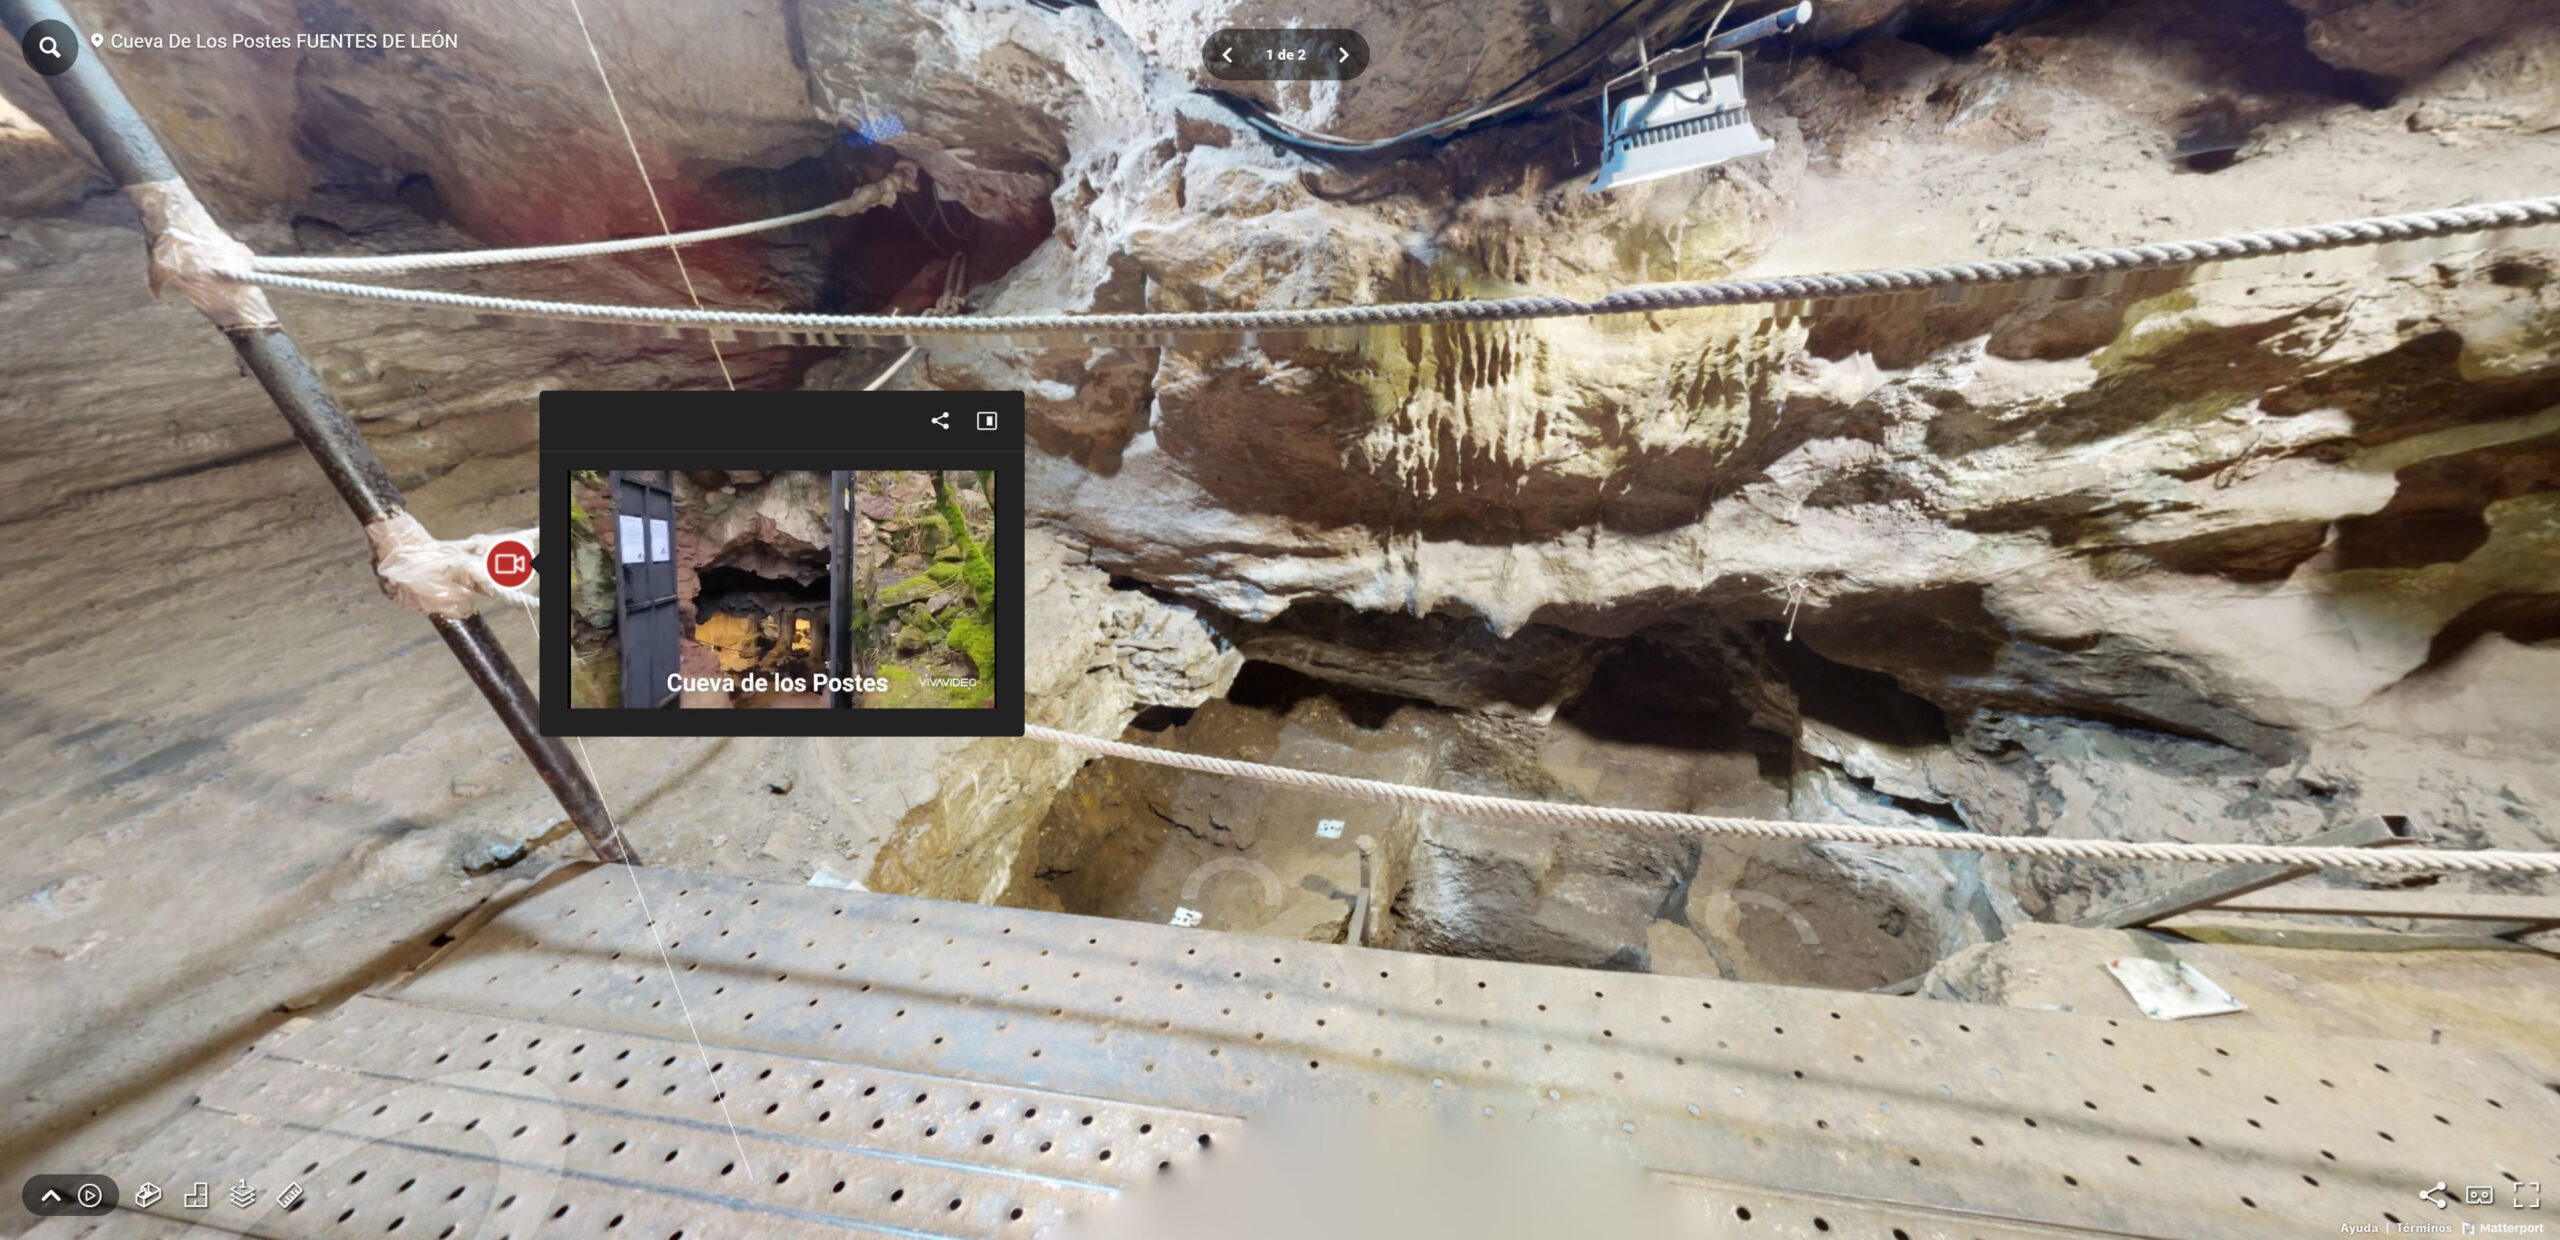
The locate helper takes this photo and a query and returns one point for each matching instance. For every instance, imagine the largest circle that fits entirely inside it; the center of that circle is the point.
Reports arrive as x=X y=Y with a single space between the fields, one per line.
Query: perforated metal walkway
x=920 y=1067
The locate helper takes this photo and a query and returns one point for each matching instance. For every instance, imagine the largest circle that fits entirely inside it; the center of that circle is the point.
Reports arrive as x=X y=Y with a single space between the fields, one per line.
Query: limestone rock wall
x=2232 y=557
x=2170 y=561
x=1094 y=656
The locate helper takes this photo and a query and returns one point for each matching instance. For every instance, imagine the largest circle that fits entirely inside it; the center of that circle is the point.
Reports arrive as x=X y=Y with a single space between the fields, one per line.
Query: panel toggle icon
x=54 y=1195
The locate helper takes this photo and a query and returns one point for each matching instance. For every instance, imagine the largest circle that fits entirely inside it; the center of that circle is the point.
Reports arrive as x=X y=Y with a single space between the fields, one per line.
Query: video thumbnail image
x=783 y=589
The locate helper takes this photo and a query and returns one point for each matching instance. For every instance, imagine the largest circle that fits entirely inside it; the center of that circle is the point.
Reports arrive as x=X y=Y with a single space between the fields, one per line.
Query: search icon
x=50 y=47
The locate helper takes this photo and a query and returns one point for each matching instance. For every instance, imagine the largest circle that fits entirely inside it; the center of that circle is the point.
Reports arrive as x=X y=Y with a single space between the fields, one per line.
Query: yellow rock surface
x=733 y=638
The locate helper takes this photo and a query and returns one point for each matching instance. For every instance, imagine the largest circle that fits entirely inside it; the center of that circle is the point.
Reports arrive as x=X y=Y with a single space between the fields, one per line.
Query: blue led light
x=875 y=130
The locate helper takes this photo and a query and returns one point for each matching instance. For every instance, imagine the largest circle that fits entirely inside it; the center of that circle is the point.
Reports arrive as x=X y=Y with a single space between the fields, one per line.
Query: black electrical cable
x=1296 y=136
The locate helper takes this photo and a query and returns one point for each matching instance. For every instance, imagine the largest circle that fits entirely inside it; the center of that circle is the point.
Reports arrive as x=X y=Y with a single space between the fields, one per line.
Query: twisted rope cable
x=2376 y=230
x=1510 y=809
x=393 y=264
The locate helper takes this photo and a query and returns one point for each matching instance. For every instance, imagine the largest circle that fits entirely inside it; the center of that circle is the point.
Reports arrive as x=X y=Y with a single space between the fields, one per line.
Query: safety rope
x=2270 y=243
x=1510 y=809
x=394 y=264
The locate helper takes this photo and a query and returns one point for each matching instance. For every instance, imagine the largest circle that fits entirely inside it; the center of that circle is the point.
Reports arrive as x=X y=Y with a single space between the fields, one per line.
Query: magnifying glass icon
x=50 y=47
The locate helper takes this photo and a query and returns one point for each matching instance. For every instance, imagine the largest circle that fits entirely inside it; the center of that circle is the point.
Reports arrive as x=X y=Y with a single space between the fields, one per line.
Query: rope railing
x=1552 y=813
x=878 y=193
x=283 y=273
x=1768 y=290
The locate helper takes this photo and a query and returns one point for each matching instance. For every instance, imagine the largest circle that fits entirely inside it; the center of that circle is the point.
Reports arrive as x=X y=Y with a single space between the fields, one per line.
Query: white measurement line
x=632 y=871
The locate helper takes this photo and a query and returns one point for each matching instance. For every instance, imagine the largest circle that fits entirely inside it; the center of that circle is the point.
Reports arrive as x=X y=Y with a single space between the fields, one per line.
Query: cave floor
x=242 y=783
x=935 y=1066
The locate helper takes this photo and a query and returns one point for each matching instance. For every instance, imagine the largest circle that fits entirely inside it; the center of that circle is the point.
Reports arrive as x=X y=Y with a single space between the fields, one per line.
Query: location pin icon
x=97 y=40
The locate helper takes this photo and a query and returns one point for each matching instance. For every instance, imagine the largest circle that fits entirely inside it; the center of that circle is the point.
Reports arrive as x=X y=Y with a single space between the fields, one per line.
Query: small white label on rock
x=829 y=876
x=2171 y=989
x=1328 y=828
x=1186 y=916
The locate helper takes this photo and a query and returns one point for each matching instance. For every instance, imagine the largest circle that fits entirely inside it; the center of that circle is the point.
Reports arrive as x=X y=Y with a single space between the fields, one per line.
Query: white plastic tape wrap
x=902 y=179
x=189 y=253
x=441 y=576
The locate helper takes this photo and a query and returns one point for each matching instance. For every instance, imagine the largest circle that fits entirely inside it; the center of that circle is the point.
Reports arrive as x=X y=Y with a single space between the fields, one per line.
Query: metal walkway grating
x=918 y=1067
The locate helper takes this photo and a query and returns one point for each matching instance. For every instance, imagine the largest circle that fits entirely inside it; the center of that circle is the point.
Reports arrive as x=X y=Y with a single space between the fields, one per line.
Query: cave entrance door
x=847 y=621
x=645 y=603
x=839 y=583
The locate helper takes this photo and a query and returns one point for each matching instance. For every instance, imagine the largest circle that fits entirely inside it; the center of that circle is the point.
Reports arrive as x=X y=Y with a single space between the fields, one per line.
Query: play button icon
x=47 y=1196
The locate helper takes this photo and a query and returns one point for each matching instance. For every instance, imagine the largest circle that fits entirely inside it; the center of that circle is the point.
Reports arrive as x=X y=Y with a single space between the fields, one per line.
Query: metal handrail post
x=134 y=157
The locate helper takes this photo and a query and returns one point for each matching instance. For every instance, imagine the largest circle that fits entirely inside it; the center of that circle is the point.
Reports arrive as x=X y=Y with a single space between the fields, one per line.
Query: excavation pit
x=1654 y=728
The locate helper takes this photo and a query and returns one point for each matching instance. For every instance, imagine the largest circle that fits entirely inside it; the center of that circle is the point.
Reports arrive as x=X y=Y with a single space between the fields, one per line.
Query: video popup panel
x=782 y=563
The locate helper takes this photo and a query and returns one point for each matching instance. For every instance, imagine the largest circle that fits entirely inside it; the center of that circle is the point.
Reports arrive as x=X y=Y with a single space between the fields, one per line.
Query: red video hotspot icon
x=510 y=564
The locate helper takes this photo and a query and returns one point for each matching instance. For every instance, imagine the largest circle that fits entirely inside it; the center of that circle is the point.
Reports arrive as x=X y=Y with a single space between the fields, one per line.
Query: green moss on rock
x=921 y=586
x=975 y=638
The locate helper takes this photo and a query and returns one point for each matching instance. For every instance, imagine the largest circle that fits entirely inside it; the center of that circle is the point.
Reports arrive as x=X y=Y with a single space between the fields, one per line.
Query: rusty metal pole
x=135 y=158
x=1362 y=906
